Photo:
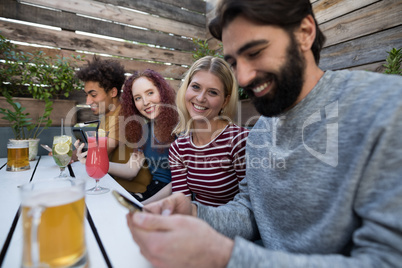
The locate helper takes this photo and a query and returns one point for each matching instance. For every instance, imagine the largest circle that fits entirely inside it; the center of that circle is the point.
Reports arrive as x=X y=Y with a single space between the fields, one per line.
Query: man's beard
x=287 y=85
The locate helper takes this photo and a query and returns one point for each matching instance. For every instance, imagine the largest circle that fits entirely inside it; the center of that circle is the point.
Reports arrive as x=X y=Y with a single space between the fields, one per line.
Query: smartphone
x=46 y=147
x=80 y=135
x=124 y=201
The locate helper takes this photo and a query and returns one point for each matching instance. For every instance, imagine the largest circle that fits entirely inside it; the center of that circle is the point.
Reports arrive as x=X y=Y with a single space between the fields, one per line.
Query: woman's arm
x=128 y=170
x=111 y=145
x=179 y=170
x=164 y=192
x=125 y=171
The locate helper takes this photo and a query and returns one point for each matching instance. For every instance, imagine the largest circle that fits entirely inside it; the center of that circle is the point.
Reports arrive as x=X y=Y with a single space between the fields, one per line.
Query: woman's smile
x=205 y=96
x=146 y=97
x=199 y=107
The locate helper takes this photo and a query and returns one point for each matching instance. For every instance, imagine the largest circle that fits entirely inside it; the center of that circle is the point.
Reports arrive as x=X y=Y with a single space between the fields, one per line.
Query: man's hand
x=179 y=241
x=80 y=155
x=176 y=203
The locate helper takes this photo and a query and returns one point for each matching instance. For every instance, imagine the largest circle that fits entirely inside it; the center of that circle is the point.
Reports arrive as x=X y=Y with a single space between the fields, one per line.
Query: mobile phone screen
x=132 y=206
x=80 y=135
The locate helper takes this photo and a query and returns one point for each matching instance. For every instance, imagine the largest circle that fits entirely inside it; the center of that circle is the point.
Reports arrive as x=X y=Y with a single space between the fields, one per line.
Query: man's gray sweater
x=323 y=186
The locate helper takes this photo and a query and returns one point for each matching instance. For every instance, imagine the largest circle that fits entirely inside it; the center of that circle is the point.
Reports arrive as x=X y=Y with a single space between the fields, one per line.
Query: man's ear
x=113 y=92
x=306 y=33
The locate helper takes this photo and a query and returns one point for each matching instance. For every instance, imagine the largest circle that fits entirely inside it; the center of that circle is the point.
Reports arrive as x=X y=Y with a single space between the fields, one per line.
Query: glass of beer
x=53 y=214
x=17 y=155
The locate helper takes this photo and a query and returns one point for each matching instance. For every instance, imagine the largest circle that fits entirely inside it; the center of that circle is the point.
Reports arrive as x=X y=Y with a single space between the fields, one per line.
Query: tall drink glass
x=97 y=163
x=53 y=214
x=62 y=153
x=17 y=155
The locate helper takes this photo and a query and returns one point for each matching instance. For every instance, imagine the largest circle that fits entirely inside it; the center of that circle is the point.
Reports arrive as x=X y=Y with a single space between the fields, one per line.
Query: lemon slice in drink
x=62 y=148
x=101 y=132
x=65 y=139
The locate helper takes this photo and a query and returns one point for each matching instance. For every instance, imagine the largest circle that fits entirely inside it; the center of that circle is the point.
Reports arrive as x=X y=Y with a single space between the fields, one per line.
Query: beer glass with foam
x=53 y=214
x=17 y=155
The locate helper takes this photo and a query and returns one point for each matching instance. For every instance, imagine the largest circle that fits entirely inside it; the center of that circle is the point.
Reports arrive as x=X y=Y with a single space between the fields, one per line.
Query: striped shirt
x=213 y=171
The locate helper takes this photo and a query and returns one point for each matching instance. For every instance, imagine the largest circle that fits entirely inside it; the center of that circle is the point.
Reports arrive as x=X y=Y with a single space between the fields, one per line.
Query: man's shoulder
x=367 y=79
x=362 y=87
x=114 y=112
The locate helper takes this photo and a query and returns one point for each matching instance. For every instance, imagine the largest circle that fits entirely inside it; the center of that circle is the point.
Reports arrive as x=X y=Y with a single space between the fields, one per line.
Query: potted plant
x=24 y=127
x=39 y=77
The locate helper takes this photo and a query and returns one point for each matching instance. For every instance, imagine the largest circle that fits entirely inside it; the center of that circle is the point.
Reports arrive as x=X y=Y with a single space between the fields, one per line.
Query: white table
x=109 y=218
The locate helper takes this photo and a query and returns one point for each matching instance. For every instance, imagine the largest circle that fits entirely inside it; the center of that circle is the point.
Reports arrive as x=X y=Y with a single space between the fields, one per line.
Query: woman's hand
x=80 y=155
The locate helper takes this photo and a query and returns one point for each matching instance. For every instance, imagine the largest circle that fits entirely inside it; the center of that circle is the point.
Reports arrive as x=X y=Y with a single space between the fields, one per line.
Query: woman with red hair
x=150 y=114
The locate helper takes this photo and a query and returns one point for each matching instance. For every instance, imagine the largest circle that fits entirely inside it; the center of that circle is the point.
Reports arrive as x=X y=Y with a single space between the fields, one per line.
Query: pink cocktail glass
x=97 y=163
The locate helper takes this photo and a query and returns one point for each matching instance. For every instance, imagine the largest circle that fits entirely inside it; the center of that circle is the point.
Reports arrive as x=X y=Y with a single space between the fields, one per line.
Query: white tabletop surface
x=108 y=216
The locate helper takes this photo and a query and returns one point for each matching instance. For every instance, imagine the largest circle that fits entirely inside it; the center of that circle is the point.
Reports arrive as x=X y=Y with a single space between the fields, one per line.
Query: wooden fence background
x=158 y=34
x=140 y=34
x=359 y=32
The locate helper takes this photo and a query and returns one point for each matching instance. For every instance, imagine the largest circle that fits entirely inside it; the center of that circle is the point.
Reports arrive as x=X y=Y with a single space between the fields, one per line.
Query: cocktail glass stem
x=97 y=188
x=62 y=172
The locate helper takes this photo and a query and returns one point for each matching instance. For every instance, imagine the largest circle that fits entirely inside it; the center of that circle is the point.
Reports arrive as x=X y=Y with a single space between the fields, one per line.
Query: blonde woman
x=207 y=160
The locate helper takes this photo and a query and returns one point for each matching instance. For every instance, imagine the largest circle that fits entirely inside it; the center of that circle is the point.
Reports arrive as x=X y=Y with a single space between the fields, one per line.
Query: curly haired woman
x=149 y=111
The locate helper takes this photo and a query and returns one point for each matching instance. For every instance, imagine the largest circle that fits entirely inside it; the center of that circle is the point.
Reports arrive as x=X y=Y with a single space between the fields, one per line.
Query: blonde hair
x=221 y=69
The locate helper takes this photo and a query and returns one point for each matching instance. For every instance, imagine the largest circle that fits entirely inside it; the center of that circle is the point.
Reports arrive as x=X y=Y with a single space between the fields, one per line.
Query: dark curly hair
x=285 y=14
x=108 y=73
x=167 y=118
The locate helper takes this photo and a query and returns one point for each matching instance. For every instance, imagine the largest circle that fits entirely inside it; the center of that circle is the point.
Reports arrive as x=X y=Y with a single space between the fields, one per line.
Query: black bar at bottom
x=97 y=237
x=9 y=236
x=3 y=165
x=93 y=228
x=14 y=224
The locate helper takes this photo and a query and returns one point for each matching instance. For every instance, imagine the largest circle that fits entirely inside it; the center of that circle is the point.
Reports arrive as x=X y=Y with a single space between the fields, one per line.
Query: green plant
x=394 y=61
x=33 y=75
x=49 y=77
x=22 y=126
x=36 y=74
x=202 y=50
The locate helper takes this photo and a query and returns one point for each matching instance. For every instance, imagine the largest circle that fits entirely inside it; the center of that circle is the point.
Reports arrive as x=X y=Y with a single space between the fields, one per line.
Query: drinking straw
x=62 y=127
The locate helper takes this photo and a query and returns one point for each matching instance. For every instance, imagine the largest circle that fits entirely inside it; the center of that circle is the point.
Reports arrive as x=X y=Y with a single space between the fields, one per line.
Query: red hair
x=167 y=118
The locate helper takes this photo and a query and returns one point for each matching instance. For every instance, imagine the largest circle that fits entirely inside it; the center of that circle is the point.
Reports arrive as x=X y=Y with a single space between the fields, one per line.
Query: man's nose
x=89 y=100
x=245 y=73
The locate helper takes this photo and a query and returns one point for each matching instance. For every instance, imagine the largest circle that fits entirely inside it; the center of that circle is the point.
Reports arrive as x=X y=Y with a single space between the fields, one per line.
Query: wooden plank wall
x=157 y=34
x=358 y=32
x=141 y=34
